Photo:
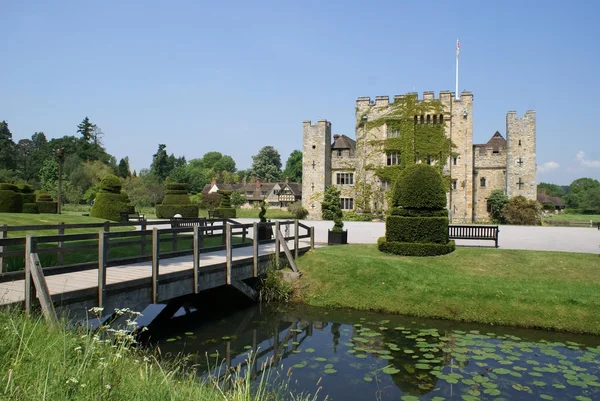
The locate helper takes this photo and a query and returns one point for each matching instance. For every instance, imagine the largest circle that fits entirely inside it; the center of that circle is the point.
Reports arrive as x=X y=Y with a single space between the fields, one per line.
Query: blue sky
x=234 y=76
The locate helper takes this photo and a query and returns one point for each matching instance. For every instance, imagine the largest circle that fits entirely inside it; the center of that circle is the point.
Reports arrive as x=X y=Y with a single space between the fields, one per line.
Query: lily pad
x=390 y=370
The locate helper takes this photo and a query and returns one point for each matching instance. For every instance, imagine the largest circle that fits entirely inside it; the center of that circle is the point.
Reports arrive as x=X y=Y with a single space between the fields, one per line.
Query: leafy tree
x=86 y=130
x=266 y=165
x=146 y=190
x=496 y=202
x=25 y=160
x=551 y=189
x=7 y=148
x=160 y=162
x=293 y=167
x=124 y=167
x=331 y=208
x=237 y=199
x=49 y=176
x=581 y=185
x=591 y=201
x=523 y=211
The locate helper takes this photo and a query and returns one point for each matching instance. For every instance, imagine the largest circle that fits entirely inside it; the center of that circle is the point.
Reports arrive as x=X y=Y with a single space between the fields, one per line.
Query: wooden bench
x=474 y=232
x=215 y=214
x=182 y=223
x=125 y=216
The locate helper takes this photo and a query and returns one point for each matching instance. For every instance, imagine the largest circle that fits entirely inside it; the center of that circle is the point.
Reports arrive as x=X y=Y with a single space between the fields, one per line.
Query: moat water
x=350 y=355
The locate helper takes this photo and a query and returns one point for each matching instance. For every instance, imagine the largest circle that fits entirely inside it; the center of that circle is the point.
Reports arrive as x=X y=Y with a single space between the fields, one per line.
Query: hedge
x=43 y=197
x=177 y=186
x=28 y=198
x=168 y=211
x=111 y=183
x=176 y=199
x=31 y=208
x=415 y=248
x=225 y=199
x=47 y=207
x=416 y=229
x=11 y=201
x=26 y=188
x=227 y=212
x=398 y=211
x=420 y=186
x=8 y=187
x=109 y=206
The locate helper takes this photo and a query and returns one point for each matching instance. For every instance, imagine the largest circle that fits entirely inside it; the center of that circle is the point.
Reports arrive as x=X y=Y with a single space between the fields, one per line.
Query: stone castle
x=475 y=170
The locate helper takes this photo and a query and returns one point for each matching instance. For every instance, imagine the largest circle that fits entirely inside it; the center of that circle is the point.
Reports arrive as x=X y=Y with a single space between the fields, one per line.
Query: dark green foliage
x=420 y=186
x=11 y=201
x=263 y=212
x=109 y=206
x=111 y=183
x=398 y=211
x=209 y=201
x=330 y=207
x=552 y=189
x=352 y=216
x=28 y=198
x=26 y=188
x=44 y=197
x=47 y=207
x=522 y=211
x=293 y=167
x=227 y=212
x=549 y=206
x=225 y=198
x=168 y=211
x=176 y=199
x=266 y=165
x=297 y=210
x=416 y=229
x=177 y=186
x=30 y=208
x=415 y=248
x=8 y=187
x=496 y=202
x=237 y=199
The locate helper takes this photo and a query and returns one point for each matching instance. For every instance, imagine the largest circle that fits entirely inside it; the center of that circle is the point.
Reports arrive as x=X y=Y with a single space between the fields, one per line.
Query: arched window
x=519 y=142
x=428 y=119
x=435 y=119
x=482 y=182
x=422 y=119
x=441 y=118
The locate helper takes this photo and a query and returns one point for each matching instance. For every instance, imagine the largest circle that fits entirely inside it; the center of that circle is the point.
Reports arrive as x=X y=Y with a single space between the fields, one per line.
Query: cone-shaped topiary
x=110 y=201
x=11 y=200
x=176 y=201
x=45 y=204
x=418 y=224
x=225 y=205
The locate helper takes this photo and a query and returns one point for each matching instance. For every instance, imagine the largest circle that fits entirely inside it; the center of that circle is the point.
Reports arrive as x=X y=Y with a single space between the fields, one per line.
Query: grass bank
x=39 y=362
x=573 y=217
x=25 y=219
x=549 y=290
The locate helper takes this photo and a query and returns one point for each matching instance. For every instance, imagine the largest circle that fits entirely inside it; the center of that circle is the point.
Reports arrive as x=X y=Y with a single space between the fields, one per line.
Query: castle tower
x=316 y=165
x=521 y=169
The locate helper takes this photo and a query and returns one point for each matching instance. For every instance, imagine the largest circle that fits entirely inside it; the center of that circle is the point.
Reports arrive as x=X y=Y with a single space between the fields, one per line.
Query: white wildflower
x=72 y=380
x=78 y=348
x=108 y=387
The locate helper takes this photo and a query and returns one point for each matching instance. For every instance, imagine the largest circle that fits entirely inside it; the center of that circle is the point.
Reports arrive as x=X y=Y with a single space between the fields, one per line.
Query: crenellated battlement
x=512 y=115
x=308 y=123
x=384 y=101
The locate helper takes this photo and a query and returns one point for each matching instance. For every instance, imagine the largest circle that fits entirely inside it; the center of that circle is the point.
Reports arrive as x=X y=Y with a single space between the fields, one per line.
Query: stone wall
x=492 y=167
x=316 y=165
x=521 y=158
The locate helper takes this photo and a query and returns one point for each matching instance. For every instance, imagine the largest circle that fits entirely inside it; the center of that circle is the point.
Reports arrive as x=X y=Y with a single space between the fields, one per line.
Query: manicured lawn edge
x=530 y=289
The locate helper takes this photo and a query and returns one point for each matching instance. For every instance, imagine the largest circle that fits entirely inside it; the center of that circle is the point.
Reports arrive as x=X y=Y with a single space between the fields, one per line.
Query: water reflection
x=362 y=356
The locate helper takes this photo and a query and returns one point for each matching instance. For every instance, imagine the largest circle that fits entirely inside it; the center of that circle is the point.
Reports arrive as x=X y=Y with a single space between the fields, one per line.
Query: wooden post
x=277 y=244
x=296 y=239
x=102 y=259
x=201 y=243
x=143 y=226
x=312 y=238
x=196 y=258
x=255 y=249
x=29 y=288
x=44 y=294
x=223 y=233
x=228 y=253
x=107 y=226
x=59 y=254
x=244 y=229
x=287 y=252
x=155 y=263
x=3 y=234
x=174 y=244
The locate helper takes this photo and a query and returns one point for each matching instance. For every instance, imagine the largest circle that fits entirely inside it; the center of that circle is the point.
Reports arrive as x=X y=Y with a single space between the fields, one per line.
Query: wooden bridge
x=134 y=268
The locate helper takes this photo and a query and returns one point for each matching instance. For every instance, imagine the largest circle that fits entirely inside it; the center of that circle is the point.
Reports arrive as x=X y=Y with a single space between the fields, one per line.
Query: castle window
x=428 y=119
x=429 y=160
x=482 y=182
x=393 y=133
x=393 y=158
x=496 y=150
x=345 y=178
x=422 y=119
x=519 y=142
x=455 y=160
x=339 y=153
x=489 y=205
x=454 y=184
x=347 y=203
x=441 y=118
x=386 y=185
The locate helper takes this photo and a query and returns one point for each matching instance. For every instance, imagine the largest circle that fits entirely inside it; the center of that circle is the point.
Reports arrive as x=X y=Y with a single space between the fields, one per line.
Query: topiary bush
x=31 y=208
x=28 y=194
x=176 y=201
x=45 y=204
x=225 y=205
x=11 y=200
x=331 y=209
x=418 y=220
x=110 y=201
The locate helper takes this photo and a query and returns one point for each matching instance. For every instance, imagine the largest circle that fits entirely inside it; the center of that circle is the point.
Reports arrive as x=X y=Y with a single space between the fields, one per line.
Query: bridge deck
x=11 y=292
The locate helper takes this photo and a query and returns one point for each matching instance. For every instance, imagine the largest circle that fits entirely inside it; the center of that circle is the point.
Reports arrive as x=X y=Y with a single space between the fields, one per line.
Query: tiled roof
x=343 y=142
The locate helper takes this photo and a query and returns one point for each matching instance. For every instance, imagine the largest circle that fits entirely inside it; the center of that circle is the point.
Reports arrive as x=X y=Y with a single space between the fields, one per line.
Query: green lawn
x=550 y=290
x=573 y=217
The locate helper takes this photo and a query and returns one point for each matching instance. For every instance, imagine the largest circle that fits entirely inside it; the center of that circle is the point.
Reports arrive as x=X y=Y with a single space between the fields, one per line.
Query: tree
x=123 y=168
x=581 y=185
x=293 y=167
x=496 y=202
x=266 y=165
x=591 y=201
x=160 y=162
x=237 y=199
x=86 y=130
x=551 y=189
x=331 y=208
x=523 y=211
x=7 y=148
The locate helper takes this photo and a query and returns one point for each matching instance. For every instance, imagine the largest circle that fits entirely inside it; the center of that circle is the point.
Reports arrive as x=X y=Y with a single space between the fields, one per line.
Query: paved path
x=566 y=239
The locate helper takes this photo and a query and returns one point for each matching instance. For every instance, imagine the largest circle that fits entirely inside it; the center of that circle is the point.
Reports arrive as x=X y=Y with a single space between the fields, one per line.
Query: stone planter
x=337 y=237
x=264 y=232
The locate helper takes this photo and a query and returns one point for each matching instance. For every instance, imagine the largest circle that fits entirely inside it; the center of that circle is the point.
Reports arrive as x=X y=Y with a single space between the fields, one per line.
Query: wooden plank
x=296 y=239
x=287 y=252
x=277 y=244
x=196 y=259
x=29 y=288
x=3 y=235
x=66 y=238
x=255 y=249
x=42 y=289
x=312 y=238
x=102 y=260
x=59 y=253
x=155 y=264
x=228 y=254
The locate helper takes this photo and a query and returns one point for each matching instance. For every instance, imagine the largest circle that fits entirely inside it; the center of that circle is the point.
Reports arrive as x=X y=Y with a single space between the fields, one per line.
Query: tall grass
x=39 y=362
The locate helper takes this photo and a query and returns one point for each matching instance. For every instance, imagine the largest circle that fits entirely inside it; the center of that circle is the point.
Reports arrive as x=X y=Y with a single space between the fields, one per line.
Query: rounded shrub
x=420 y=186
x=31 y=208
x=177 y=186
x=45 y=204
x=176 y=201
x=111 y=183
x=26 y=188
x=44 y=197
x=11 y=201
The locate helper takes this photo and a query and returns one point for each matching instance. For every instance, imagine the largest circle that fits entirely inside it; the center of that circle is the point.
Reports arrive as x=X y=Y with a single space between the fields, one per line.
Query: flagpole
x=457 y=50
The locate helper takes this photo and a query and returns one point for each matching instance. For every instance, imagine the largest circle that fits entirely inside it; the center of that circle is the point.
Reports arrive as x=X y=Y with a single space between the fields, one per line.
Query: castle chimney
x=287 y=180
x=336 y=137
x=214 y=181
x=257 y=183
x=244 y=181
